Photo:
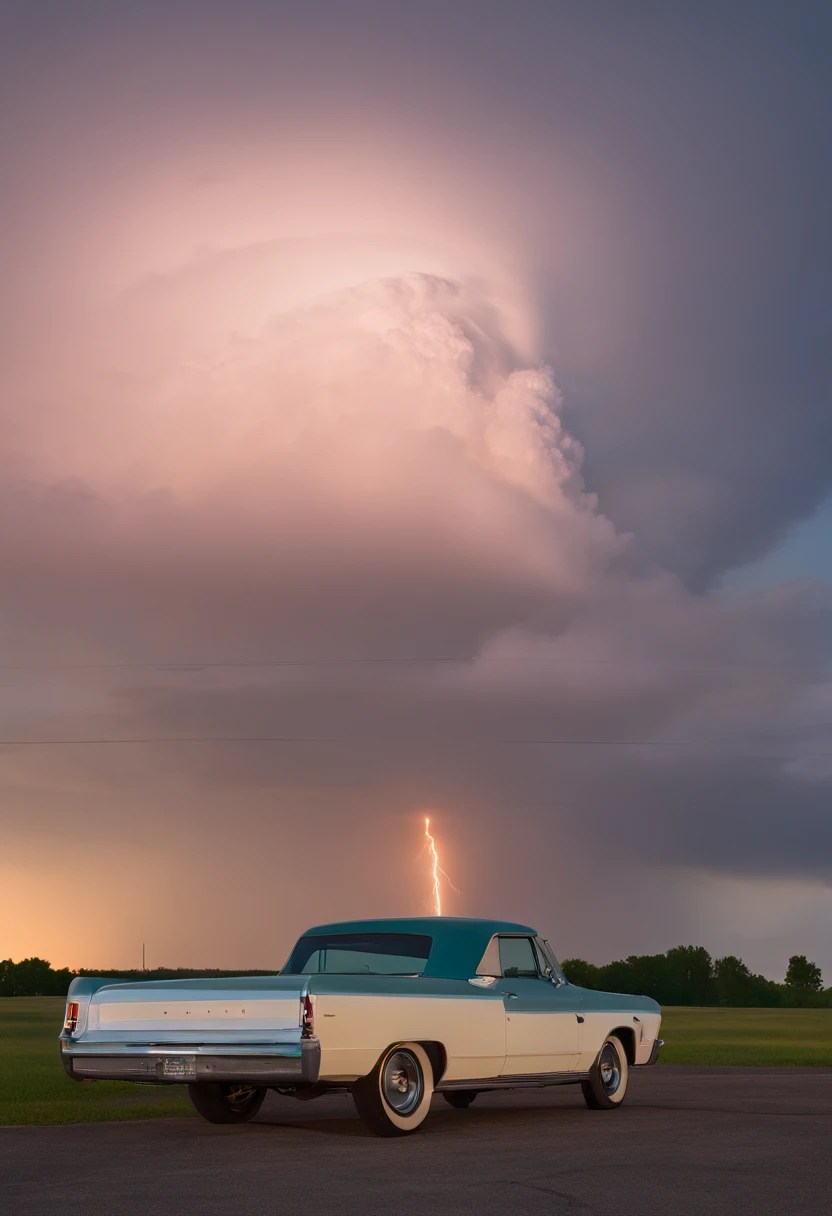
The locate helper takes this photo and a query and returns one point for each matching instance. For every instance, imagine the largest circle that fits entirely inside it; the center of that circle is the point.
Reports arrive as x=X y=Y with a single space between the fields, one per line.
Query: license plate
x=179 y=1066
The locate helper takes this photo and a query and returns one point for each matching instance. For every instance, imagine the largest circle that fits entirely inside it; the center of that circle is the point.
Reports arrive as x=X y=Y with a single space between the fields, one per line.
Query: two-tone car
x=392 y=1011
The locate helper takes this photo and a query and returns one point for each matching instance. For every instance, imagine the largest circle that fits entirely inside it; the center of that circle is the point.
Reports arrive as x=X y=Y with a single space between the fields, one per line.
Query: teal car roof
x=458 y=942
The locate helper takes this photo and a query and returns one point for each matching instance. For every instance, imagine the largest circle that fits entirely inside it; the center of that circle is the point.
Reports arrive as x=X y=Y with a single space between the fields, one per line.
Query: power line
x=190 y=665
x=176 y=740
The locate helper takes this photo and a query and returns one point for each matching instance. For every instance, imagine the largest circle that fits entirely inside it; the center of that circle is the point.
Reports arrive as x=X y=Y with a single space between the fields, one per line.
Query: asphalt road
x=728 y=1141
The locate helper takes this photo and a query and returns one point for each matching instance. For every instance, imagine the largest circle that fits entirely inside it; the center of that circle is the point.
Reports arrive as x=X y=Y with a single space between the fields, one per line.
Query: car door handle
x=512 y=996
x=578 y=1016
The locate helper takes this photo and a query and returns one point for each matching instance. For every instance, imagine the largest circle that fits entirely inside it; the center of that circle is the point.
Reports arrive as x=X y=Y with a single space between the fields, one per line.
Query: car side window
x=517 y=958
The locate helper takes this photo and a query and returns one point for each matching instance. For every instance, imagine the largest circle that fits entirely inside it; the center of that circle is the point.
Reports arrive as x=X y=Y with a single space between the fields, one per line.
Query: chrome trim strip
x=181 y=1047
x=531 y=1080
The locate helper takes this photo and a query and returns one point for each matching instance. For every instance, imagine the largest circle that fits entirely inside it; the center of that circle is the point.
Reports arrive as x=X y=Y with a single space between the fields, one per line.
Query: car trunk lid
x=198 y=1011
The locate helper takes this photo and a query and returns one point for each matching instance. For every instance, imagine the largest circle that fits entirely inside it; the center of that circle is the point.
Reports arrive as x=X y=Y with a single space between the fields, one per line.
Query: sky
x=415 y=409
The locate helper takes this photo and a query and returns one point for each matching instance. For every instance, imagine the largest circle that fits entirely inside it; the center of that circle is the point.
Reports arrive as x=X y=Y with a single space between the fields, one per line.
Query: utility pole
x=143 y=966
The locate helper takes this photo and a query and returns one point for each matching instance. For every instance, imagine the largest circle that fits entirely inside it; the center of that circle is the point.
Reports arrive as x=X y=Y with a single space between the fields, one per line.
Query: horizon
x=570 y=965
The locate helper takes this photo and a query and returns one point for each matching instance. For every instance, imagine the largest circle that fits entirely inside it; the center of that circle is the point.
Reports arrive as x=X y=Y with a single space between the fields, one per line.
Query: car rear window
x=360 y=954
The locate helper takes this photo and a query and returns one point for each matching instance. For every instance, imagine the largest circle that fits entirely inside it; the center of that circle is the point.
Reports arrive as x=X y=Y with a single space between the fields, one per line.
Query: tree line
x=687 y=975
x=36 y=977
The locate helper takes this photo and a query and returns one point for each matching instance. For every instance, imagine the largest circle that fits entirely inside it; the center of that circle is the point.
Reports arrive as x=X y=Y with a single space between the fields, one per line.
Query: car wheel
x=607 y=1084
x=395 y=1098
x=459 y=1099
x=234 y=1103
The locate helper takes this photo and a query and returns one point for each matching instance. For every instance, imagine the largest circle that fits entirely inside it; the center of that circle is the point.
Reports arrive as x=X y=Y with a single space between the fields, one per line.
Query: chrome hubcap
x=401 y=1082
x=609 y=1067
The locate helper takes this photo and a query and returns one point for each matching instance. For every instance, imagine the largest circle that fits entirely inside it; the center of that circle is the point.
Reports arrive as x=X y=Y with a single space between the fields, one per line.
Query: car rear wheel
x=607 y=1083
x=459 y=1099
x=395 y=1098
x=234 y=1103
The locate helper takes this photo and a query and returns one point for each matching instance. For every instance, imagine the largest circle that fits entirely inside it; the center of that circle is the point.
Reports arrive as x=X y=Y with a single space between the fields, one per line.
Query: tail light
x=307 y=1017
x=71 y=1020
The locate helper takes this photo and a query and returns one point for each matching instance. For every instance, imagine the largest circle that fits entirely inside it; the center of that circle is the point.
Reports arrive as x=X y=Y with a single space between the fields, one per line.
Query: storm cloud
x=389 y=459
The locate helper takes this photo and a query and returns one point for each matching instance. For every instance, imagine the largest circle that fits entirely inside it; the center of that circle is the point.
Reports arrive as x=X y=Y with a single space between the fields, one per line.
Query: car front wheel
x=234 y=1103
x=607 y=1082
x=395 y=1098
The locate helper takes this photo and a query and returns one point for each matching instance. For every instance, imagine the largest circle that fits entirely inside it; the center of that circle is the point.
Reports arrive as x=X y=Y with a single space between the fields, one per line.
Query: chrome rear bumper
x=138 y=1063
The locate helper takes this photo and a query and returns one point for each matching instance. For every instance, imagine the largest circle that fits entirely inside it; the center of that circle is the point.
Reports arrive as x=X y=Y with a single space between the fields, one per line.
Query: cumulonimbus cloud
x=377 y=474
x=379 y=449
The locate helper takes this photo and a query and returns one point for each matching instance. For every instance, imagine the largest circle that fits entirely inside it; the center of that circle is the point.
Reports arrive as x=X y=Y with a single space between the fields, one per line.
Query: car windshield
x=360 y=954
x=549 y=955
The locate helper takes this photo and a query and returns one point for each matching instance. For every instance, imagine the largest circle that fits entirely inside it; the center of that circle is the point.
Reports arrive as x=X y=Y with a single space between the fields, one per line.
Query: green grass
x=34 y=1089
x=756 y=1037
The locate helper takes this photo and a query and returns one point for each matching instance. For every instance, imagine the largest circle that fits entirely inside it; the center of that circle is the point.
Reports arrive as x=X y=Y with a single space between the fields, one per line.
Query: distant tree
x=689 y=976
x=642 y=974
x=732 y=981
x=33 y=977
x=579 y=972
x=61 y=979
x=7 y=968
x=803 y=974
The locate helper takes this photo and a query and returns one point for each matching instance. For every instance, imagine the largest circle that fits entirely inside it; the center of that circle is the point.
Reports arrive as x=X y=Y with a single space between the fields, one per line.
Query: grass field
x=756 y=1037
x=34 y=1089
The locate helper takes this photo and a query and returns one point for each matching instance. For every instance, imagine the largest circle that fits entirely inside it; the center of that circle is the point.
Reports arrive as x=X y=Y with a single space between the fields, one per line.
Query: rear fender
x=434 y=1051
x=82 y=989
x=438 y=1059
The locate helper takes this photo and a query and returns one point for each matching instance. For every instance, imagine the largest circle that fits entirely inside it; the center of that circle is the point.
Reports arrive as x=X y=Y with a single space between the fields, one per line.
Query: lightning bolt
x=434 y=856
x=436 y=869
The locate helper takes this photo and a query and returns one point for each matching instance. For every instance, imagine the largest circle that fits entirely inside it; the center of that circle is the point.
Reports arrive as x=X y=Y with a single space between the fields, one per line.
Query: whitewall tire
x=395 y=1098
x=606 y=1087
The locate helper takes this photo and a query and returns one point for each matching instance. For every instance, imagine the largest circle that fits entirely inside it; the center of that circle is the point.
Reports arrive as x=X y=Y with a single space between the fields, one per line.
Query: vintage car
x=390 y=1010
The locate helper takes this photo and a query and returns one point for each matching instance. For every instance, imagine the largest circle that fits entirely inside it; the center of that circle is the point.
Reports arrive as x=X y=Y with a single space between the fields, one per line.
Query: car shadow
x=440 y=1121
